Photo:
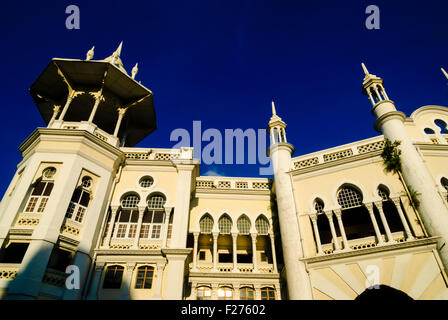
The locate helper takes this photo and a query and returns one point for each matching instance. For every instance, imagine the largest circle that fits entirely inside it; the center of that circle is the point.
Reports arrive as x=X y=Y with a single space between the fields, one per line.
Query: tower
x=390 y=122
x=280 y=153
x=51 y=213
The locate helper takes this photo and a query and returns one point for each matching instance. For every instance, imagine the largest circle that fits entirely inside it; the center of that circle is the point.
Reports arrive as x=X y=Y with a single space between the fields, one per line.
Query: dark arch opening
x=383 y=293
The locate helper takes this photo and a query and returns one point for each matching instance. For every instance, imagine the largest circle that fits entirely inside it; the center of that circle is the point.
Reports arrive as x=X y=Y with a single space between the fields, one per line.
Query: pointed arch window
x=243 y=225
x=319 y=205
x=41 y=192
x=262 y=225
x=225 y=225
x=206 y=224
x=383 y=192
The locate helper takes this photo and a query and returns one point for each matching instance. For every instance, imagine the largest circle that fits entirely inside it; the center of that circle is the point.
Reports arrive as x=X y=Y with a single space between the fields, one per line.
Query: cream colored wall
x=164 y=182
x=425 y=119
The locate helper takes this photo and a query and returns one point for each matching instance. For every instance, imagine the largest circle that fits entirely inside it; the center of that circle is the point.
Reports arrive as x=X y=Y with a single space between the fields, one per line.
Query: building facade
x=89 y=216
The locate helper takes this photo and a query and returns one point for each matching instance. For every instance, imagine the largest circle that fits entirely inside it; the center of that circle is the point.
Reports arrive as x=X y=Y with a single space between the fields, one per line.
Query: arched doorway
x=383 y=293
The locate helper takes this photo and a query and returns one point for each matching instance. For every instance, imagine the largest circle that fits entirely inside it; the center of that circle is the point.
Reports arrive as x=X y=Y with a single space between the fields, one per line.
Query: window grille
x=243 y=225
x=348 y=197
x=383 y=193
x=130 y=201
x=262 y=226
x=206 y=224
x=225 y=225
x=152 y=224
x=86 y=182
x=49 y=172
x=39 y=197
x=156 y=202
x=146 y=182
x=319 y=205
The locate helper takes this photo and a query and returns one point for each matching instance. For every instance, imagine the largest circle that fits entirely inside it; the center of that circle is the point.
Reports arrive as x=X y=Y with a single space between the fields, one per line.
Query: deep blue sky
x=222 y=62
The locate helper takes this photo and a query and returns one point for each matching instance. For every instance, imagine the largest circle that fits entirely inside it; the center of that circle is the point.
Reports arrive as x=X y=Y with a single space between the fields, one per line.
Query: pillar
x=93 y=292
x=316 y=233
x=95 y=107
x=165 y=225
x=369 y=207
x=66 y=106
x=379 y=206
x=407 y=230
x=126 y=286
x=274 y=255
x=234 y=253
x=338 y=214
x=329 y=215
x=158 y=281
x=114 y=210
x=121 y=112
x=254 y=251
x=175 y=273
x=195 y=251
x=215 y=251
x=141 y=212
x=55 y=114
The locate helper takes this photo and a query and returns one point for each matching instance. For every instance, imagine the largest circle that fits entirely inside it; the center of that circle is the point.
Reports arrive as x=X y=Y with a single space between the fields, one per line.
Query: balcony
x=228 y=267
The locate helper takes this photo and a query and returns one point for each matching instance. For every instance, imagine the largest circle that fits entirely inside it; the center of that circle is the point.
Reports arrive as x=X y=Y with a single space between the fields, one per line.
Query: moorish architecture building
x=88 y=215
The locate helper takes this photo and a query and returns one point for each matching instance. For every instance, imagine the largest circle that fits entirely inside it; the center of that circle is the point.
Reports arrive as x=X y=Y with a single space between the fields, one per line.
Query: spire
x=89 y=55
x=134 y=71
x=444 y=72
x=115 y=59
x=273 y=109
x=366 y=72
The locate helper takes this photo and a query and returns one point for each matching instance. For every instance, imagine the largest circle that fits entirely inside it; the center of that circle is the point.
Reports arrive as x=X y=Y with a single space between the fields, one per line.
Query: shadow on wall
x=383 y=293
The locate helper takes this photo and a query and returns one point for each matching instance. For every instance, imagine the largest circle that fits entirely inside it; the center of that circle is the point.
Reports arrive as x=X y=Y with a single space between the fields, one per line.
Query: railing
x=8 y=271
x=341 y=152
x=27 y=221
x=158 y=154
x=228 y=267
x=54 y=277
x=233 y=183
x=71 y=228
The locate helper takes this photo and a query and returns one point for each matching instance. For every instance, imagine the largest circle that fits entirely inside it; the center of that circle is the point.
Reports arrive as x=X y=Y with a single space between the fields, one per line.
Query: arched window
x=145 y=275
x=154 y=217
x=41 y=192
x=262 y=225
x=247 y=293
x=225 y=293
x=319 y=205
x=267 y=293
x=146 y=182
x=156 y=201
x=80 y=201
x=243 y=225
x=206 y=224
x=203 y=293
x=442 y=125
x=383 y=192
x=349 y=197
x=225 y=224
x=113 y=277
x=130 y=201
x=128 y=217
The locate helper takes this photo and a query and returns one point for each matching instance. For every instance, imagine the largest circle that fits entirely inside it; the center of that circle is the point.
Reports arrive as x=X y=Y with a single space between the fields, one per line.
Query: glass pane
x=39 y=188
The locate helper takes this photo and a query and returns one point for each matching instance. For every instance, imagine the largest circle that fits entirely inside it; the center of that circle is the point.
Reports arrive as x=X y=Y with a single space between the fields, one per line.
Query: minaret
x=280 y=152
x=390 y=122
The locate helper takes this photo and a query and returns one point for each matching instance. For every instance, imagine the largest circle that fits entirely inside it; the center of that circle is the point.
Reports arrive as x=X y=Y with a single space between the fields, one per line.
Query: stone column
x=55 y=114
x=254 y=251
x=257 y=289
x=338 y=214
x=141 y=212
x=126 y=286
x=379 y=206
x=93 y=292
x=407 y=230
x=369 y=207
x=215 y=251
x=66 y=106
x=274 y=255
x=175 y=273
x=95 y=107
x=195 y=251
x=329 y=215
x=158 y=281
x=165 y=225
x=234 y=249
x=316 y=233
x=121 y=112
x=114 y=210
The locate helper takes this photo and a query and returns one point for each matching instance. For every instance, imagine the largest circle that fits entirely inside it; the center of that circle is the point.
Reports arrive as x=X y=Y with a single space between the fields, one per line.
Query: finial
x=117 y=52
x=366 y=72
x=444 y=72
x=89 y=54
x=273 y=109
x=134 y=71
